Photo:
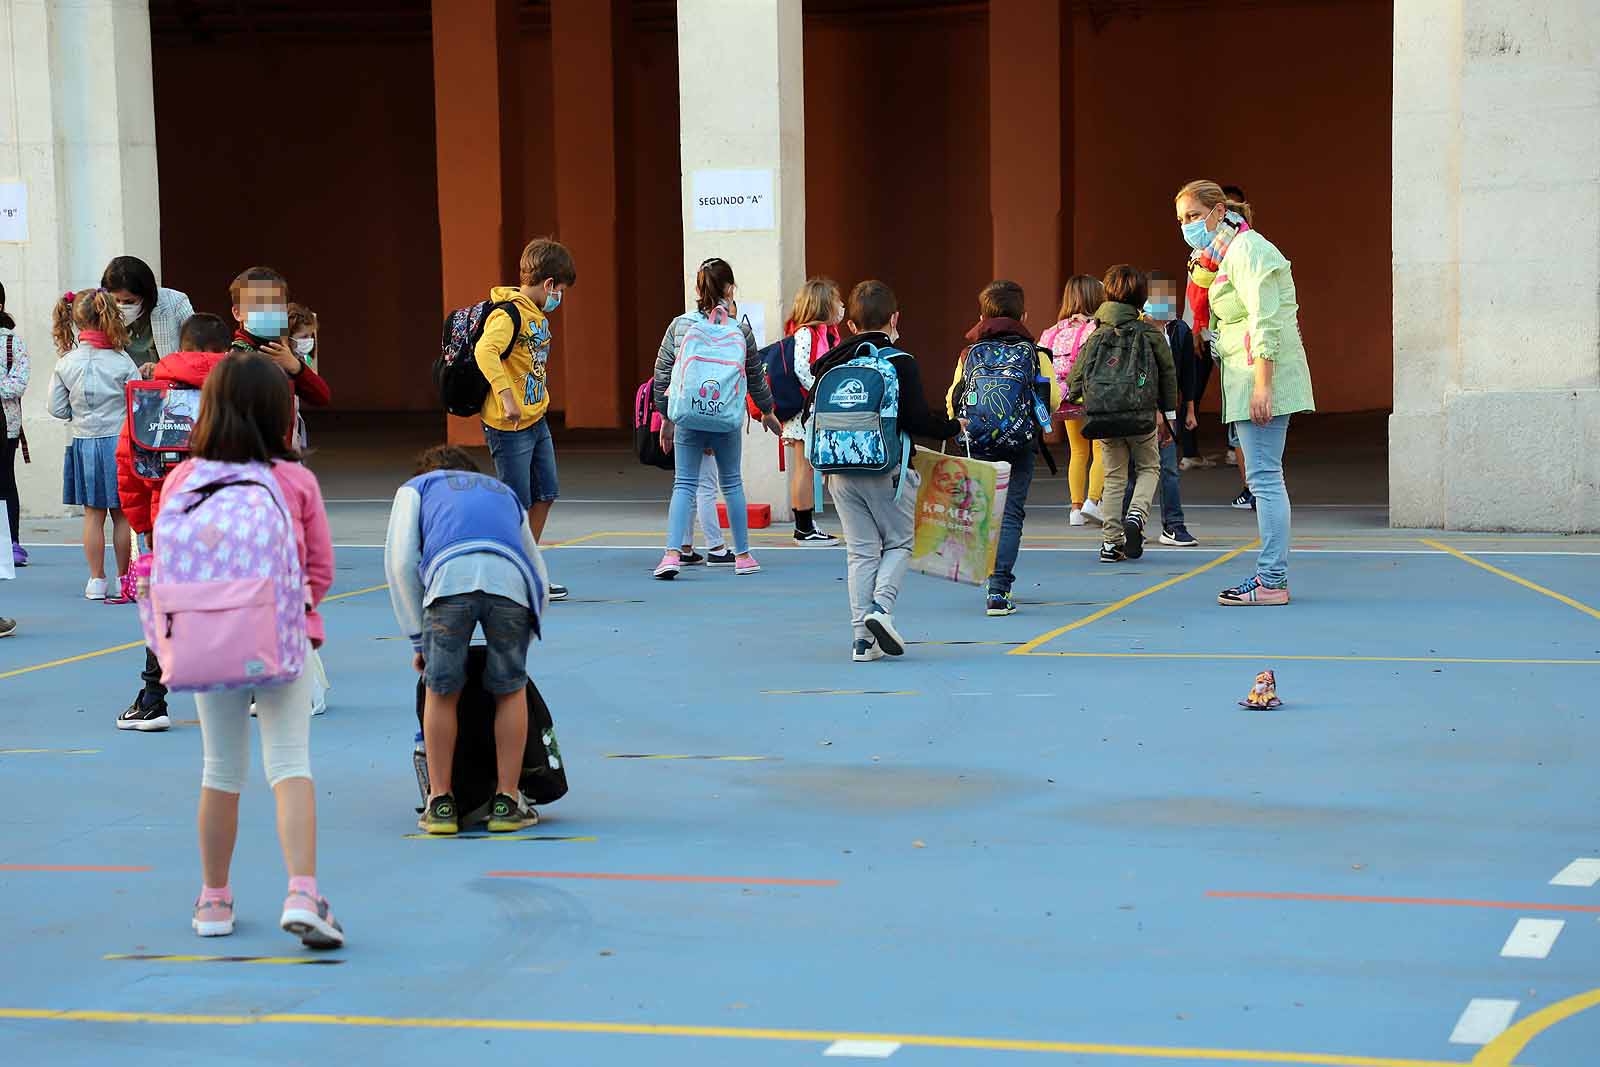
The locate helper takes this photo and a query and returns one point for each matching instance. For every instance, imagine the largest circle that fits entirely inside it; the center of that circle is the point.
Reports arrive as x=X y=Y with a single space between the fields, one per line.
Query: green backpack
x=1121 y=386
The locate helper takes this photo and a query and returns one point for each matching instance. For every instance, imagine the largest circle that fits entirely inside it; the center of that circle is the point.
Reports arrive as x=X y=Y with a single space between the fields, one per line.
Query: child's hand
x=283 y=356
x=666 y=437
x=1163 y=431
x=509 y=406
x=418 y=663
x=770 y=421
x=1189 y=421
x=147 y=370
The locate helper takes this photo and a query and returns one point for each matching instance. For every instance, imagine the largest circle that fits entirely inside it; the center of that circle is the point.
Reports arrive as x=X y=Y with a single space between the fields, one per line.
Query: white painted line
x=1483 y=1021
x=1532 y=939
x=866 y=1050
x=1583 y=872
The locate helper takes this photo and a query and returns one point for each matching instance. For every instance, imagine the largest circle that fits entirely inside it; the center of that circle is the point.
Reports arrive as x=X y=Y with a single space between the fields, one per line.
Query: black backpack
x=461 y=385
x=1121 y=386
x=544 y=776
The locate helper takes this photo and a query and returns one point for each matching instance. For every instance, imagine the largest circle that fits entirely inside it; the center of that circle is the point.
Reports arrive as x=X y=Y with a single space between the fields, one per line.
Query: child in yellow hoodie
x=514 y=356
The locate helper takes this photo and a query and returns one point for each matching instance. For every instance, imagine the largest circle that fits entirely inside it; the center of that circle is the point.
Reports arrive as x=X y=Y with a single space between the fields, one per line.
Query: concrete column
x=596 y=318
x=1030 y=104
x=741 y=107
x=1496 y=236
x=478 y=133
x=79 y=133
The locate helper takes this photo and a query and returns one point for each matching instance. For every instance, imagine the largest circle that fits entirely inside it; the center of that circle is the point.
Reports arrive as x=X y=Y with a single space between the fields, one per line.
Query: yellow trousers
x=1086 y=468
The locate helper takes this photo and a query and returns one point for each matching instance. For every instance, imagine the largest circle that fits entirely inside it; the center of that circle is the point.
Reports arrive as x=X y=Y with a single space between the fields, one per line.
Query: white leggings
x=705 y=504
x=284 y=712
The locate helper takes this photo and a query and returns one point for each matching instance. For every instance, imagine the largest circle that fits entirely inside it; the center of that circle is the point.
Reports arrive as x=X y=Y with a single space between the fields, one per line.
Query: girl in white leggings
x=246 y=416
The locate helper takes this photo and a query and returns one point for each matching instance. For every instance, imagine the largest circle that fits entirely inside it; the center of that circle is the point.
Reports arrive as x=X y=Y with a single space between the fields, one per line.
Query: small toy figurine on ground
x=1263 y=694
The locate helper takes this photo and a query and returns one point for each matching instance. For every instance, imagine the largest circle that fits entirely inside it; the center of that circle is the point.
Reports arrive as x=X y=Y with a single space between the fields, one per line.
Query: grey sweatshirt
x=667 y=355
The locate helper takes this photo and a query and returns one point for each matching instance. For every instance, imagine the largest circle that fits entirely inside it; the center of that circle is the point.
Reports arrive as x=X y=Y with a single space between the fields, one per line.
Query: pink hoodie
x=304 y=497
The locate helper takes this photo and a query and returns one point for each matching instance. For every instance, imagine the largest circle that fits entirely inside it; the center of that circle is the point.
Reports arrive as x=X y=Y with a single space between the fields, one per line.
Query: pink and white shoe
x=1253 y=594
x=312 y=921
x=213 y=918
x=746 y=564
x=667 y=569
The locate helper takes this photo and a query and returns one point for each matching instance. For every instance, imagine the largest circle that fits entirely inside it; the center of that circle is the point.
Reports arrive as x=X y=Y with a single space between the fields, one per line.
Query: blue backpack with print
x=1000 y=396
x=855 y=419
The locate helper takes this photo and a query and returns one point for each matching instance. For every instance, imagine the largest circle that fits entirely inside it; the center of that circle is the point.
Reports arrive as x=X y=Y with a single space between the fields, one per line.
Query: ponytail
x=61 y=324
x=711 y=284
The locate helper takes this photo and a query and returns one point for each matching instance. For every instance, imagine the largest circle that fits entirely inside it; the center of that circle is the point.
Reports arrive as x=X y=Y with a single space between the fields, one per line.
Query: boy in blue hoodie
x=459 y=553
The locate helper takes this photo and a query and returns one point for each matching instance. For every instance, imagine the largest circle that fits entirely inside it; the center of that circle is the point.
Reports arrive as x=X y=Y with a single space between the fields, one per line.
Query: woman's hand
x=1261 y=404
x=770 y=421
x=666 y=436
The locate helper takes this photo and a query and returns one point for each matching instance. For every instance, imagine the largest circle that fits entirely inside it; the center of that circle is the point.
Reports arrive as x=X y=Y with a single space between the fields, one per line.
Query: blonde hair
x=1210 y=194
x=90 y=309
x=1083 y=295
x=817 y=302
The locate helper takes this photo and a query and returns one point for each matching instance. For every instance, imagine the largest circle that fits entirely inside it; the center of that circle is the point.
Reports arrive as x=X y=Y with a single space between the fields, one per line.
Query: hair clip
x=68 y=297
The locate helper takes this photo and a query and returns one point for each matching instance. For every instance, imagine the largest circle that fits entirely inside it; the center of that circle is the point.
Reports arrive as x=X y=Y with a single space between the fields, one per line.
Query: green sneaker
x=508 y=813
x=440 y=816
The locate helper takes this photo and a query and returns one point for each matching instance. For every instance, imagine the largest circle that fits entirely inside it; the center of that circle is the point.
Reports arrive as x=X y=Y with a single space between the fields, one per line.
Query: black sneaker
x=720 y=559
x=690 y=558
x=1245 y=501
x=881 y=625
x=815 y=538
x=441 y=816
x=1133 y=530
x=558 y=592
x=150 y=718
x=999 y=604
x=509 y=813
x=1110 y=553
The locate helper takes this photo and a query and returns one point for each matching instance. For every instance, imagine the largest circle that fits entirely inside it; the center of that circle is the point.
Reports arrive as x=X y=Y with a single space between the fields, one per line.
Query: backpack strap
x=211 y=489
x=512 y=310
x=905 y=461
x=22 y=433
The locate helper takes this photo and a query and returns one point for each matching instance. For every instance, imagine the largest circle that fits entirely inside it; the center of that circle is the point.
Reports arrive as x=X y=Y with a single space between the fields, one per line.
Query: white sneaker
x=1076 y=518
x=880 y=624
x=865 y=652
x=95 y=590
x=1091 y=510
x=1230 y=459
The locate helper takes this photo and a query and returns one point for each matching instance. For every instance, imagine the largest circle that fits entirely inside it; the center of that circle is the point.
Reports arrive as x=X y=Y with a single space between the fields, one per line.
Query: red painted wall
x=333 y=182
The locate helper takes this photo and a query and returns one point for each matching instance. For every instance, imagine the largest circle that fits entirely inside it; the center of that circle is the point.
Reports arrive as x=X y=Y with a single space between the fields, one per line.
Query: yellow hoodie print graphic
x=526 y=363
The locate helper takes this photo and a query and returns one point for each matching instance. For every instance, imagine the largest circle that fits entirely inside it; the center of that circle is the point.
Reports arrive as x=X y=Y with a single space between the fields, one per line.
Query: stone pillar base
x=1499 y=460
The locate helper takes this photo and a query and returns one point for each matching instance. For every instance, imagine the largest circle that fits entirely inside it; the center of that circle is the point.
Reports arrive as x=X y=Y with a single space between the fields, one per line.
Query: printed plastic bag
x=959 y=506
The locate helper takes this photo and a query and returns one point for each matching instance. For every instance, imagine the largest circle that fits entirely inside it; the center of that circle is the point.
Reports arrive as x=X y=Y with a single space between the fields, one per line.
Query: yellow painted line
x=1504 y=1049
x=286 y=960
x=604 y=533
x=1046 y=638
x=1263 y=657
x=37 y=751
x=71 y=659
x=354 y=592
x=1508 y=576
x=991 y=1044
x=140 y=644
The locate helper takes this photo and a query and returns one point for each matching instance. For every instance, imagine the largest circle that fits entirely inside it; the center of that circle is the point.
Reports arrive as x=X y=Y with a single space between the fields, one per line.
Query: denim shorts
x=1233 y=435
x=526 y=461
x=447 y=626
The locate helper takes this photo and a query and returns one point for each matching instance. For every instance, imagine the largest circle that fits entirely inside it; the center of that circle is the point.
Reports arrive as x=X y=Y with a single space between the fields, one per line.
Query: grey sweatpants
x=877 y=539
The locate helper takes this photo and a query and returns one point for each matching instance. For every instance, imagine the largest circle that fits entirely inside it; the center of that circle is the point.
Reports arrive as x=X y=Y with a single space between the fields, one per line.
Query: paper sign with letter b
x=732 y=200
x=13 y=212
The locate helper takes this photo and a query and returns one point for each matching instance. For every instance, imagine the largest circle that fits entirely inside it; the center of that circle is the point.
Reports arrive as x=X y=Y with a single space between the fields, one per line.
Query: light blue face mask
x=1195 y=234
x=552 y=301
x=1161 y=311
x=269 y=323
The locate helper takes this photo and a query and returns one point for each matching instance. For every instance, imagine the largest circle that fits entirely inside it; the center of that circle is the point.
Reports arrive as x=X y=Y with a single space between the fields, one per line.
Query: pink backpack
x=227 y=601
x=1064 y=339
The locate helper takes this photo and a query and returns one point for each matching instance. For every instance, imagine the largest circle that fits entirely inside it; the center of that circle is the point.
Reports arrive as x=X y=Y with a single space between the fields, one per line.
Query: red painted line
x=697 y=879
x=53 y=867
x=1440 y=902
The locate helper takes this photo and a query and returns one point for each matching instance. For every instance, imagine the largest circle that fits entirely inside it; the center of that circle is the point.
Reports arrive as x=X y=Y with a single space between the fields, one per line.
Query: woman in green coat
x=1242 y=292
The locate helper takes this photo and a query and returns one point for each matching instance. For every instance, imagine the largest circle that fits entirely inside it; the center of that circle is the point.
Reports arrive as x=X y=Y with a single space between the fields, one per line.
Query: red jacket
x=308 y=385
x=141 y=497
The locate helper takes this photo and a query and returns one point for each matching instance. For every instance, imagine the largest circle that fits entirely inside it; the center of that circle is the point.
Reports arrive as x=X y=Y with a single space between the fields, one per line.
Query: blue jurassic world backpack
x=855 y=420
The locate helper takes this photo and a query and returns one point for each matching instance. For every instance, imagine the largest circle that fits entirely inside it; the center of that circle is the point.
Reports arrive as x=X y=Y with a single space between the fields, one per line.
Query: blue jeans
x=1005 y=557
x=688 y=449
x=526 y=461
x=1171 y=500
x=1263 y=464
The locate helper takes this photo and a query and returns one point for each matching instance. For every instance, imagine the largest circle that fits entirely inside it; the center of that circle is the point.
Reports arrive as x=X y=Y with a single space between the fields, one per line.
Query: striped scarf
x=1203 y=266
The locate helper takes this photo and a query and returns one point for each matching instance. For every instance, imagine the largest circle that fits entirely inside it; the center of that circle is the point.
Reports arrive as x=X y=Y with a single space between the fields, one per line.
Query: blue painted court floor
x=1054 y=833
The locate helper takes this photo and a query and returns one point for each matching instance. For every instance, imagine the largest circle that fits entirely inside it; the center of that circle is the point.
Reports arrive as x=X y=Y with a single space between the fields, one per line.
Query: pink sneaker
x=213 y=918
x=1253 y=594
x=746 y=564
x=311 y=921
x=667 y=569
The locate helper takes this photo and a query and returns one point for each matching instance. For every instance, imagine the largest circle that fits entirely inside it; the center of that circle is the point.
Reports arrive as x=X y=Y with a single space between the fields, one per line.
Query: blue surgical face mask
x=270 y=323
x=1195 y=234
x=552 y=301
x=1161 y=311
